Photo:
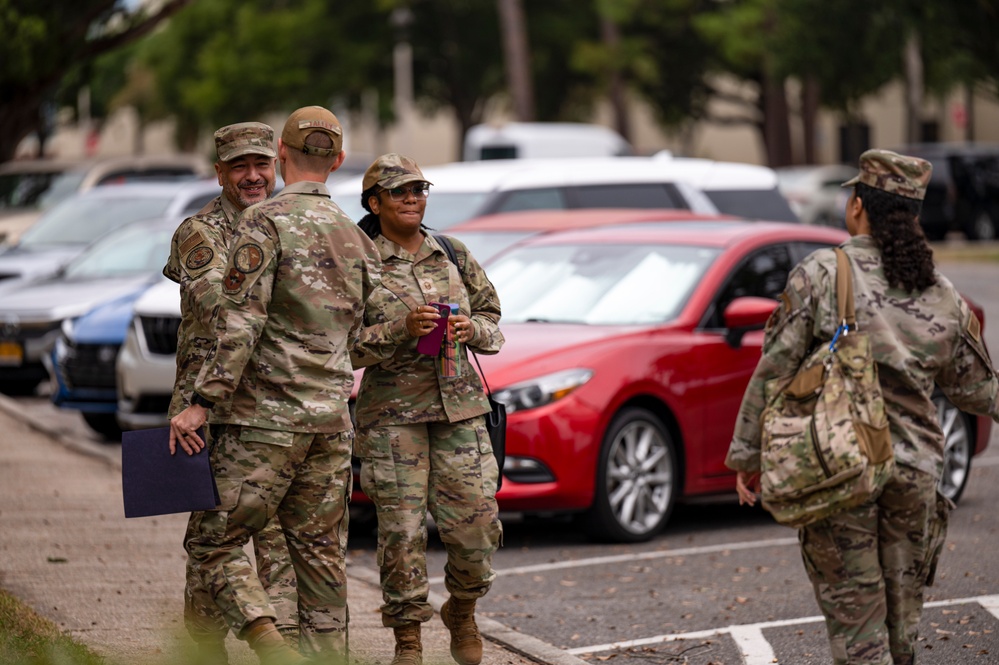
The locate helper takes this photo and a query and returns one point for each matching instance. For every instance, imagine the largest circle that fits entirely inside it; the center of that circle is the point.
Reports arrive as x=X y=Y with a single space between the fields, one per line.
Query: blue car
x=83 y=363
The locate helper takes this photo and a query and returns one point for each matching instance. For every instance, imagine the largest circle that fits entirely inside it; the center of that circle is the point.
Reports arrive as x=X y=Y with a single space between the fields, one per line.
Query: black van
x=963 y=194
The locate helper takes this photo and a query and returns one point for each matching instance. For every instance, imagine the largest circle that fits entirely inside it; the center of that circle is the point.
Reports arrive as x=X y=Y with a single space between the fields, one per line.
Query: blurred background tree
x=43 y=43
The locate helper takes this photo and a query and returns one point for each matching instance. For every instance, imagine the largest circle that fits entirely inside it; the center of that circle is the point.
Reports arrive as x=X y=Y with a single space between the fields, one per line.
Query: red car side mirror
x=745 y=314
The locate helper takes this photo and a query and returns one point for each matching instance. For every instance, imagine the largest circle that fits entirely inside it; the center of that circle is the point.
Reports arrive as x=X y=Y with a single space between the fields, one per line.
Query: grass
x=29 y=639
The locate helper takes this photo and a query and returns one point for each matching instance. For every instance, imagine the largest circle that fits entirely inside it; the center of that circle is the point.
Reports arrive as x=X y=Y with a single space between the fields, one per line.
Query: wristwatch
x=201 y=401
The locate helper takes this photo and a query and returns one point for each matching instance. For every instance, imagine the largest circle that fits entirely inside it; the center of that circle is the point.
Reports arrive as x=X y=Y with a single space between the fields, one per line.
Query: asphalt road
x=722 y=584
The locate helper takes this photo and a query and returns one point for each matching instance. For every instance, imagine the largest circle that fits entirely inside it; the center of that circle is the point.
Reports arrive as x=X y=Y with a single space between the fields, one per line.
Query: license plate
x=11 y=354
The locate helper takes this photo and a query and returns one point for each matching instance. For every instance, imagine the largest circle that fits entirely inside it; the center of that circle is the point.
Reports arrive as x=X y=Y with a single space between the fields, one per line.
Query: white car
x=463 y=190
x=146 y=365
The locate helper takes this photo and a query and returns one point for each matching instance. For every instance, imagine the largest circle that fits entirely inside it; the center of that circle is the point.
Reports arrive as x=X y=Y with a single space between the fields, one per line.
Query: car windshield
x=64 y=186
x=598 y=284
x=82 y=219
x=135 y=250
x=767 y=204
x=485 y=244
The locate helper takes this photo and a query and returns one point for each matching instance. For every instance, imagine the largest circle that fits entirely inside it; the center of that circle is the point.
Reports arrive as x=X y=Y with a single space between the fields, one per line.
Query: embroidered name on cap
x=321 y=124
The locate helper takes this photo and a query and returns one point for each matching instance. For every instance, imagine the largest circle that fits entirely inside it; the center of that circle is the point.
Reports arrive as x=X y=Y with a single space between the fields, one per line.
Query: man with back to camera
x=245 y=168
x=298 y=274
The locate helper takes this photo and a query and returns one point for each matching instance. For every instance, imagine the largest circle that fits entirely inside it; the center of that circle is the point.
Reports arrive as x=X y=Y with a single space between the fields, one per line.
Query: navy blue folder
x=154 y=482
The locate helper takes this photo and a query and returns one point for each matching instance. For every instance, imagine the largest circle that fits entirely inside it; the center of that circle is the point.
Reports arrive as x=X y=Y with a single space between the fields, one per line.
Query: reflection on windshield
x=136 y=250
x=81 y=220
x=598 y=285
x=486 y=244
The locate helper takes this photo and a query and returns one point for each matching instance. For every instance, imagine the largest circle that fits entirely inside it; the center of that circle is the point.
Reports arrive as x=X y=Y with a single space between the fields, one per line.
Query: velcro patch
x=319 y=124
x=248 y=258
x=199 y=258
x=975 y=328
x=191 y=241
x=233 y=280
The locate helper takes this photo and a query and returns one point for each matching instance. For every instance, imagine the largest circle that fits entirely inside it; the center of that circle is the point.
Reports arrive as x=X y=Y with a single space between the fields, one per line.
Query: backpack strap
x=845 y=309
x=448 y=247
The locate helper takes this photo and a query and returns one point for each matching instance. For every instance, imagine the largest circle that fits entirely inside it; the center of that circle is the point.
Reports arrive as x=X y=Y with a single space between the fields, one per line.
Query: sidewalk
x=116 y=585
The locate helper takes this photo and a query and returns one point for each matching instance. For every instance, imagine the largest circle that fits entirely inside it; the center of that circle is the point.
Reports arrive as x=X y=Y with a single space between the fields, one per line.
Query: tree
x=44 y=41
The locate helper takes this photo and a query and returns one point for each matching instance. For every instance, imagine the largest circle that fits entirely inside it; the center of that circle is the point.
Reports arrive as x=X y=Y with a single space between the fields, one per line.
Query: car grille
x=160 y=333
x=91 y=366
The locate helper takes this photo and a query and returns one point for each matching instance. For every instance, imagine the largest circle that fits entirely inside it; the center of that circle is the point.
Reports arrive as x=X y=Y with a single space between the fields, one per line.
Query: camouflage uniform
x=869 y=565
x=421 y=437
x=197 y=256
x=297 y=275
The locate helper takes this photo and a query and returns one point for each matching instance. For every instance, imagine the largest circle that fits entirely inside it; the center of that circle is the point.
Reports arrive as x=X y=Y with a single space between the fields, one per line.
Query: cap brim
x=396 y=181
x=852 y=181
x=249 y=150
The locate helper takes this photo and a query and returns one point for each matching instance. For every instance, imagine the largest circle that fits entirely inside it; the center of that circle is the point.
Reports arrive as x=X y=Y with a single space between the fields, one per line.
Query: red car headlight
x=543 y=389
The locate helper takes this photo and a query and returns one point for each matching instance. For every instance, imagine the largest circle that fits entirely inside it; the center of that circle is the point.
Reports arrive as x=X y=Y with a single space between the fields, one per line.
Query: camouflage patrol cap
x=307 y=120
x=894 y=173
x=244 y=138
x=392 y=170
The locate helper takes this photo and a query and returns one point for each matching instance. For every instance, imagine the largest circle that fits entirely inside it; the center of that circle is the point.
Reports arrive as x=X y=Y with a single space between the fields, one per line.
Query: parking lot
x=722 y=584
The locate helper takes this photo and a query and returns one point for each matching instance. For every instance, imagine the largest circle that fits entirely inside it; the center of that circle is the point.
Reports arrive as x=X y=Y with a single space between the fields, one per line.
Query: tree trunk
x=776 y=122
x=809 y=118
x=611 y=36
x=914 y=89
x=18 y=118
x=516 y=55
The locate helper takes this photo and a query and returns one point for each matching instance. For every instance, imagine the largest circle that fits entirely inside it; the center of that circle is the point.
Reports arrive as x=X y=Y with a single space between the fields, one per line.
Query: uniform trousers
x=304 y=479
x=870 y=565
x=202 y=616
x=450 y=469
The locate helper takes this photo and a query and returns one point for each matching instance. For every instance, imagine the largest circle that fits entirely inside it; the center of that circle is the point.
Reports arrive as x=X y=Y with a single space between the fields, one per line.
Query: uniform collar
x=388 y=249
x=306 y=187
x=864 y=242
x=229 y=210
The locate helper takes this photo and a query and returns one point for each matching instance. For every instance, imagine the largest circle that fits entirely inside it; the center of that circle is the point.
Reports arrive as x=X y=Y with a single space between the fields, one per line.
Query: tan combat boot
x=210 y=649
x=408 y=646
x=263 y=637
x=466 y=643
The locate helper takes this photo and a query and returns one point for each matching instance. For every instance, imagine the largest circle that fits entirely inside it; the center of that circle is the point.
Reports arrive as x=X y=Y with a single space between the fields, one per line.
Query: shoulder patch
x=233 y=280
x=248 y=258
x=199 y=258
x=974 y=327
x=191 y=242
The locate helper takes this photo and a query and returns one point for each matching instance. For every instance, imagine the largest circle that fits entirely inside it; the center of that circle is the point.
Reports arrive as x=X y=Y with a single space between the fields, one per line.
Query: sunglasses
x=420 y=191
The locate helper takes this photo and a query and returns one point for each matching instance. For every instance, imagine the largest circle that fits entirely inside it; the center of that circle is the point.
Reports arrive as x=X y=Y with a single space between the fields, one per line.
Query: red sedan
x=628 y=351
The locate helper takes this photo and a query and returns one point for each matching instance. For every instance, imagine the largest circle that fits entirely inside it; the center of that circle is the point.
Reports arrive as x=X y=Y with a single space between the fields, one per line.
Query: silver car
x=32 y=317
x=69 y=227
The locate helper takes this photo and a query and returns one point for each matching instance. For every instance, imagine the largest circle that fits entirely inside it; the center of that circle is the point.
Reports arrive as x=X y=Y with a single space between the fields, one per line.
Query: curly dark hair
x=894 y=220
x=370 y=223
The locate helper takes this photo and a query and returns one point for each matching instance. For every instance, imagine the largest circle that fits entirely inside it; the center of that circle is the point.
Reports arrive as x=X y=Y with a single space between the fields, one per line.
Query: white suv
x=146 y=365
x=463 y=190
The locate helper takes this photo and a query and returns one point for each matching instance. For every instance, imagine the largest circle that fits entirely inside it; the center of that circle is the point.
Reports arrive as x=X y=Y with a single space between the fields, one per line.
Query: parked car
x=963 y=193
x=33 y=316
x=489 y=235
x=520 y=140
x=628 y=350
x=814 y=192
x=65 y=231
x=464 y=190
x=28 y=187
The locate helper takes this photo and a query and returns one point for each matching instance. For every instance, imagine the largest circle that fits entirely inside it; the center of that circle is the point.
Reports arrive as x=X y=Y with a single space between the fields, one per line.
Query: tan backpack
x=826 y=445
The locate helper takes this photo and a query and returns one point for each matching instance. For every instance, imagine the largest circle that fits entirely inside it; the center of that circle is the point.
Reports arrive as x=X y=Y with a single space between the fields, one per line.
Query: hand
x=422 y=320
x=746 y=484
x=183 y=429
x=461 y=327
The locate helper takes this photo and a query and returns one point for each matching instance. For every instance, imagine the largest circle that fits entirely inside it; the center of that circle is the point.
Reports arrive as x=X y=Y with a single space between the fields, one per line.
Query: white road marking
x=754 y=646
x=640 y=556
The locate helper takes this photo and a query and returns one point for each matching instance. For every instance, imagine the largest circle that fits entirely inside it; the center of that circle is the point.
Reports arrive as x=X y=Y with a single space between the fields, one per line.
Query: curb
x=524 y=645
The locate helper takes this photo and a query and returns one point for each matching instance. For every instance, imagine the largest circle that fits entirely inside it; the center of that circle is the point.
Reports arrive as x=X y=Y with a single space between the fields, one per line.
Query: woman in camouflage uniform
x=421 y=435
x=870 y=565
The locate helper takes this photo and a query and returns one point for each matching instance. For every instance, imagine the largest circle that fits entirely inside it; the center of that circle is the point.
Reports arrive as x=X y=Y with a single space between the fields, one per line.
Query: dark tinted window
x=767 y=204
x=498 y=152
x=197 y=204
x=532 y=199
x=651 y=195
x=762 y=274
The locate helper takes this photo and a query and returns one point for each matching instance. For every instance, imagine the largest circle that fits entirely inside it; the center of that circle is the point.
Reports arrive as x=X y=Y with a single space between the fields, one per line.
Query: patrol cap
x=307 y=120
x=244 y=138
x=894 y=173
x=392 y=170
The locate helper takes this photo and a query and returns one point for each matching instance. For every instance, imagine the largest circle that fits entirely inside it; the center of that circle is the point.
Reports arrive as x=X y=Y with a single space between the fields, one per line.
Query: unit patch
x=199 y=258
x=233 y=280
x=248 y=258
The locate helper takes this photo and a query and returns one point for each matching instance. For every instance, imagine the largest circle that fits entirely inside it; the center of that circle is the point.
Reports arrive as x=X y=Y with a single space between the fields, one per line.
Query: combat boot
x=408 y=646
x=270 y=647
x=459 y=618
x=210 y=649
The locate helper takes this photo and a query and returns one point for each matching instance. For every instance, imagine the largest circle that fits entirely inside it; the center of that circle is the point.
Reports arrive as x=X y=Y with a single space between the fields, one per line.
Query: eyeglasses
x=420 y=191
